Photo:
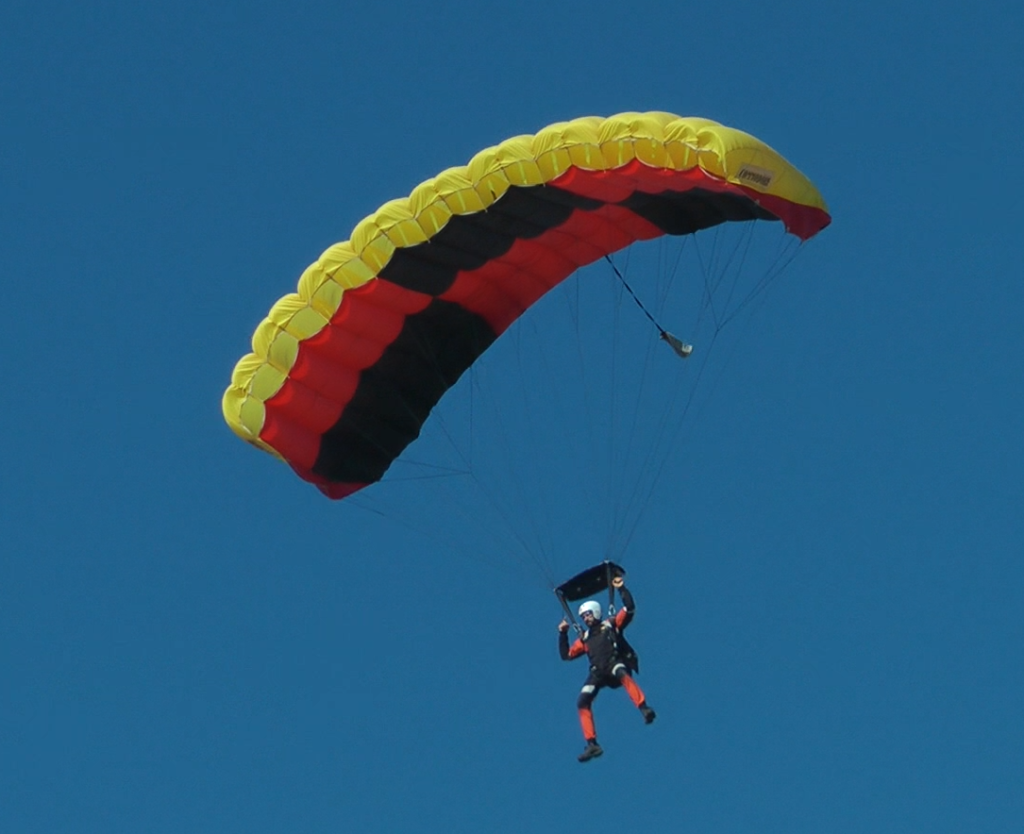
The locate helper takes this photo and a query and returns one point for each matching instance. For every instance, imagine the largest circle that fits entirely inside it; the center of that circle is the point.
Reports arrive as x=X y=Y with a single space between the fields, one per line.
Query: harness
x=621 y=651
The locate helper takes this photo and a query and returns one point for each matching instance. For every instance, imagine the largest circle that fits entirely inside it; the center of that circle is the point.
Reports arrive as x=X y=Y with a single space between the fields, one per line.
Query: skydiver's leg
x=586 y=698
x=636 y=694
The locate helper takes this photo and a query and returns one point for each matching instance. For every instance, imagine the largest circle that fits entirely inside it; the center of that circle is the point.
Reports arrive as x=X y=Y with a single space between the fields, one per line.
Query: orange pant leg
x=587 y=724
x=636 y=694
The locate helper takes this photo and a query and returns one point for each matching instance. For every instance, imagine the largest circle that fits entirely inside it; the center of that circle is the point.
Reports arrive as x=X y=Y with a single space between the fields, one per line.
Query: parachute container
x=589 y=582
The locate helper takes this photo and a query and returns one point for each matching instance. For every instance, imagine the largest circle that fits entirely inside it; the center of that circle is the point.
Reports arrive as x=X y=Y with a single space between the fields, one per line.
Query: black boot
x=647 y=713
x=591 y=751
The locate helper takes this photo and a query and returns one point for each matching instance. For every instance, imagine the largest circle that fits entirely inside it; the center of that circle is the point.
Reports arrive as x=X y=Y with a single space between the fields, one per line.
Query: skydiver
x=610 y=657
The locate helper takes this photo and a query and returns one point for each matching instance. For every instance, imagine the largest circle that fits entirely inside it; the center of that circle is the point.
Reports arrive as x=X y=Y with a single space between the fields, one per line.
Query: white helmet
x=593 y=607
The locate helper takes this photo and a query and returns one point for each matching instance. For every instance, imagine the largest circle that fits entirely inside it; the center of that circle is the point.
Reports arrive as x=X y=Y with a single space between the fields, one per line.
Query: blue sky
x=829 y=576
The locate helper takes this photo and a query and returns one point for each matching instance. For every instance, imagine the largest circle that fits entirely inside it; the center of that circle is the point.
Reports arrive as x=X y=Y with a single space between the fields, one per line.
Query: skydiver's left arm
x=625 y=614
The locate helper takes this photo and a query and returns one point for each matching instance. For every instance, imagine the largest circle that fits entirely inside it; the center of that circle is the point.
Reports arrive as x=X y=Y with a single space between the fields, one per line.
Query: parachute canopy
x=345 y=371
